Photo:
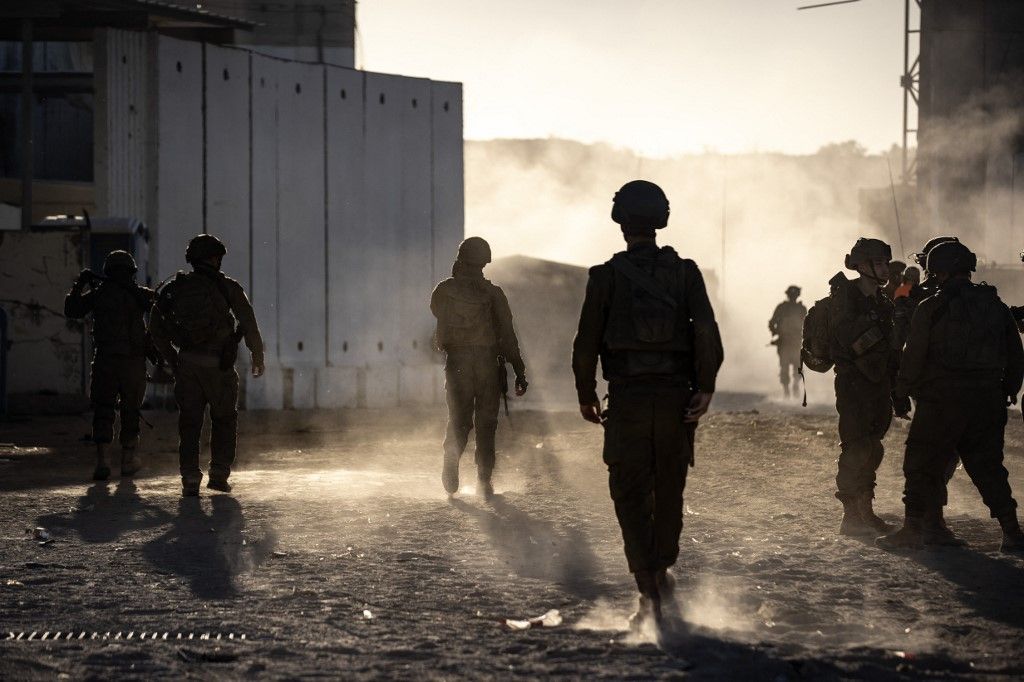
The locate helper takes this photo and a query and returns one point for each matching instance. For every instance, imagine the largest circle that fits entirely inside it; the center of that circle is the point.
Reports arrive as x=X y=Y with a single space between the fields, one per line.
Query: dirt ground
x=338 y=555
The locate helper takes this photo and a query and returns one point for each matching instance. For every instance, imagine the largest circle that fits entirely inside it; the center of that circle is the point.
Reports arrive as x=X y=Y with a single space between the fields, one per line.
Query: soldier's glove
x=591 y=412
x=901 y=406
x=521 y=385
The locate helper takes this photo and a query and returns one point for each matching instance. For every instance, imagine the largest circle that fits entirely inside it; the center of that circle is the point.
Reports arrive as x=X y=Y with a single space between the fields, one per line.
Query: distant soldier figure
x=648 y=319
x=963 y=365
x=474 y=329
x=853 y=329
x=196 y=324
x=787 y=325
x=896 y=270
x=118 y=306
x=911 y=279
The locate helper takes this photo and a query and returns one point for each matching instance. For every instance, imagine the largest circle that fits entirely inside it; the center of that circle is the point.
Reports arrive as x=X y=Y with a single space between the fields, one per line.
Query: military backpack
x=196 y=309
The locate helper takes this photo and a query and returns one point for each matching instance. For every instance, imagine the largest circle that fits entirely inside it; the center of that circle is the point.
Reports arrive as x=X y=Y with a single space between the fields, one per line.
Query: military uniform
x=474 y=328
x=194 y=341
x=863 y=349
x=119 y=359
x=963 y=358
x=655 y=355
x=788 y=322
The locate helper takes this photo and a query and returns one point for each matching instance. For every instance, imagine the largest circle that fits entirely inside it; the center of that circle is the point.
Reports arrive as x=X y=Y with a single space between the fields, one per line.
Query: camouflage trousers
x=648 y=449
x=971 y=427
x=473 y=397
x=865 y=414
x=118 y=384
x=197 y=385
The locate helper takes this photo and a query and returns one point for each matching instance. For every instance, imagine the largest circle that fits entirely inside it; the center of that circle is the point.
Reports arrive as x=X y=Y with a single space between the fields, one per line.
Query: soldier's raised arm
x=78 y=304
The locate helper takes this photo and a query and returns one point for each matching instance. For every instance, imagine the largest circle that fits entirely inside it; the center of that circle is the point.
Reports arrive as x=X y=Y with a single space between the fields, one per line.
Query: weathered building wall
x=45 y=369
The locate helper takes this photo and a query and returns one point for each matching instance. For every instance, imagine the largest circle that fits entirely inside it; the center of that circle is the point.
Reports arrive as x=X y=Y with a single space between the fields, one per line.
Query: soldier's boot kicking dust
x=666 y=583
x=907 y=537
x=484 y=487
x=853 y=523
x=1013 y=537
x=450 y=474
x=934 y=531
x=867 y=513
x=190 y=487
x=102 y=470
x=649 y=606
x=219 y=484
x=130 y=462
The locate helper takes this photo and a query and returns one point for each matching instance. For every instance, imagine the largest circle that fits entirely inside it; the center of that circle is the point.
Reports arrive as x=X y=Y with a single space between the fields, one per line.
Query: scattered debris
x=549 y=620
x=217 y=655
x=39 y=533
x=367 y=614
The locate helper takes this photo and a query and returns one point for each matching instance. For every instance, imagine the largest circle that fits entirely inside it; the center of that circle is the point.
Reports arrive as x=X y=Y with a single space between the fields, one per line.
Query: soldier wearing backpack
x=474 y=329
x=118 y=306
x=197 y=321
x=963 y=365
x=852 y=329
x=648 y=319
x=786 y=325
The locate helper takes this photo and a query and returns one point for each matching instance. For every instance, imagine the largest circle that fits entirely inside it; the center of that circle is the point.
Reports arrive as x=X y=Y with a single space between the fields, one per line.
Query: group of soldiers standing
x=948 y=343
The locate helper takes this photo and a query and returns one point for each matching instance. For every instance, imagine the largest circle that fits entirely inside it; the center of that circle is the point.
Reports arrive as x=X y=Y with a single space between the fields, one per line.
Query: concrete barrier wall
x=339 y=196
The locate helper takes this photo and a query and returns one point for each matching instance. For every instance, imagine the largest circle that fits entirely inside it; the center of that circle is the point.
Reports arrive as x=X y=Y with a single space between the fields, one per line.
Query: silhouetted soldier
x=474 y=329
x=904 y=306
x=963 y=365
x=648 y=318
x=197 y=322
x=852 y=328
x=118 y=306
x=787 y=325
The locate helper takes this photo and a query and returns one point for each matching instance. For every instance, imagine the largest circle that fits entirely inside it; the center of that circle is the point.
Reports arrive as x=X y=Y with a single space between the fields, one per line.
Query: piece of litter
x=539 y=445
x=820 y=433
x=906 y=630
x=40 y=533
x=367 y=614
x=904 y=654
x=549 y=620
x=278 y=553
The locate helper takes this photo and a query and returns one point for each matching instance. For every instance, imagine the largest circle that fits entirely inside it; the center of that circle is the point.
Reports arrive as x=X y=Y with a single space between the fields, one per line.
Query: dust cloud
x=755 y=223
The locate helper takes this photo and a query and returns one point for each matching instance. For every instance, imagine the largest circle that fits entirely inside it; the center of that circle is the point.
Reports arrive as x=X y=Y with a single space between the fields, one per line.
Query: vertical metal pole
x=27 y=148
x=906 y=82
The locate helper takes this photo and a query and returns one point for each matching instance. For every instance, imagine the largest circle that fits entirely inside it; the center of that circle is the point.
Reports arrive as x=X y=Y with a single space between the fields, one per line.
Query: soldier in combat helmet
x=118 y=306
x=852 y=329
x=475 y=331
x=197 y=322
x=963 y=365
x=647 y=318
x=787 y=325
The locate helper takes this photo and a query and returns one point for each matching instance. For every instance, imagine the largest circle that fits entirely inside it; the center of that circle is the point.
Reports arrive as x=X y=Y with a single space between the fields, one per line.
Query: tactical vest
x=467 y=315
x=649 y=330
x=197 y=311
x=860 y=330
x=118 y=326
x=973 y=322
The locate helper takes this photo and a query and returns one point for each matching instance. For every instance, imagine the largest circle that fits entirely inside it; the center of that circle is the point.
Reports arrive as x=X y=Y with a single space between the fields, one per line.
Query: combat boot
x=649 y=606
x=867 y=513
x=450 y=475
x=130 y=462
x=907 y=537
x=853 y=523
x=190 y=487
x=1013 y=538
x=219 y=484
x=934 y=530
x=484 y=487
x=102 y=470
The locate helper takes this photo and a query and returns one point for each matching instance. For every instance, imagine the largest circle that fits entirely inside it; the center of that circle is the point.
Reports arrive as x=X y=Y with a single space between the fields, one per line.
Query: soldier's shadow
x=205 y=549
x=990 y=585
x=535 y=548
x=100 y=516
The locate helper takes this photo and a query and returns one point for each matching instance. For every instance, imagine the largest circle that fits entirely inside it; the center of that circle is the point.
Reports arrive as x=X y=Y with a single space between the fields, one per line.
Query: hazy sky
x=658 y=76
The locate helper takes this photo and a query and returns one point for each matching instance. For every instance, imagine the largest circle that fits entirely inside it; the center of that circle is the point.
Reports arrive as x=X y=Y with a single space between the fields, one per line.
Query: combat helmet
x=119 y=261
x=951 y=257
x=474 y=251
x=204 y=246
x=867 y=249
x=640 y=203
x=921 y=257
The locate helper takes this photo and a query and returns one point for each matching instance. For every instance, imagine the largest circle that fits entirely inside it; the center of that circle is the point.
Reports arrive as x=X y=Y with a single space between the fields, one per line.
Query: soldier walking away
x=648 y=319
x=963 y=365
x=118 y=306
x=787 y=325
x=852 y=329
x=197 y=322
x=474 y=329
